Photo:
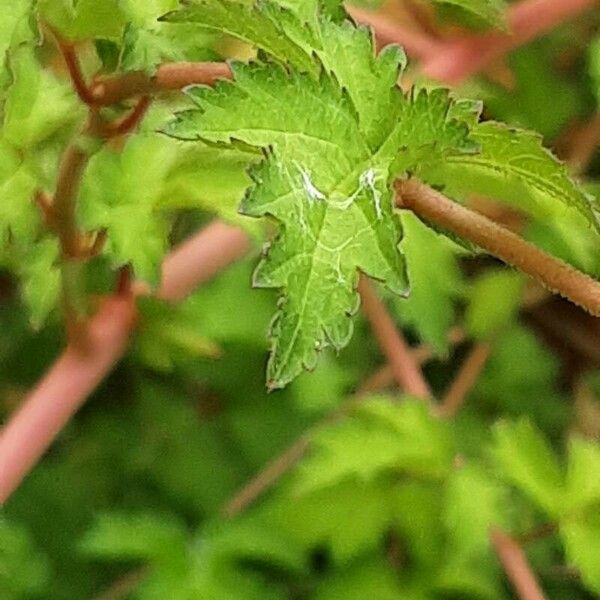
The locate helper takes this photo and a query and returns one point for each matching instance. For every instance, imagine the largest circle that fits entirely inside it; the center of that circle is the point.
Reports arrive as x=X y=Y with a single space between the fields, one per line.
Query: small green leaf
x=37 y=104
x=401 y=437
x=475 y=502
x=121 y=193
x=513 y=165
x=40 y=279
x=526 y=460
x=260 y=24
x=435 y=282
x=494 y=301
x=19 y=217
x=581 y=538
x=583 y=475
x=135 y=536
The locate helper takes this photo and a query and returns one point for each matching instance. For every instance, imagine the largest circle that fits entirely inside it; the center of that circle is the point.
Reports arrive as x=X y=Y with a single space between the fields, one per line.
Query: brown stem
x=73 y=67
x=465 y=380
x=539 y=533
x=69 y=176
x=392 y=343
x=170 y=76
x=551 y=272
x=131 y=121
x=516 y=566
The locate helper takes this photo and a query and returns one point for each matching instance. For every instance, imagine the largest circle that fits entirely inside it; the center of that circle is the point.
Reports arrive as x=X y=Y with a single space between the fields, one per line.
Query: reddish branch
x=77 y=373
x=516 y=566
x=61 y=392
x=406 y=370
x=466 y=378
x=168 y=77
x=551 y=272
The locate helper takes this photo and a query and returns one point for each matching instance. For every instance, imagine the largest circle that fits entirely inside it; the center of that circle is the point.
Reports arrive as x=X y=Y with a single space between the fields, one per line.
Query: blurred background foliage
x=389 y=501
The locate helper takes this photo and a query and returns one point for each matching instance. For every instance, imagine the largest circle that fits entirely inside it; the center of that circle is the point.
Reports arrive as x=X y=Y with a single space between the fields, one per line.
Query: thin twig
x=464 y=380
x=74 y=68
x=392 y=343
x=554 y=274
x=516 y=566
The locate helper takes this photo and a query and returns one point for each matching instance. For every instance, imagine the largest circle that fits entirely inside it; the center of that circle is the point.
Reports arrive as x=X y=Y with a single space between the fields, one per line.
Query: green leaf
x=85 y=19
x=19 y=217
x=494 y=302
x=526 y=460
x=401 y=437
x=435 y=282
x=594 y=66
x=121 y=193
x=359 y=580
x=513 y=165
x=37 y=104
x=15 y=29
x=24 y=571
x=263 y=25
x=581 y=538
x=489 y=13
x=170 y=334
x=135 y=536
x=40 y=279
x=474 y=503
x=350 y=517
x=326 y=186
x=583 y=479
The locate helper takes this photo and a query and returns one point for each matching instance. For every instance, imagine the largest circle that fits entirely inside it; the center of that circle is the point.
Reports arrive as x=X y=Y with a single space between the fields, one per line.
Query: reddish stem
x=132 y=120
x=170 y=76
x=465 y=379
x=516 y=566
x=74 y=68
x=77 y=372
x=399 y=356
x=61 y=392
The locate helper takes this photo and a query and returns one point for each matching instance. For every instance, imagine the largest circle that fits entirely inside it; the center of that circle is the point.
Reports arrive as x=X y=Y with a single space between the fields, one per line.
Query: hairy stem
x=406 y=370
x=551 y=272
x=516 y=566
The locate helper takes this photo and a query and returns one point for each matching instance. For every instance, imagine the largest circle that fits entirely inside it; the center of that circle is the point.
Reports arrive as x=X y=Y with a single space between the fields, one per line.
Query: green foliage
x=389 y=500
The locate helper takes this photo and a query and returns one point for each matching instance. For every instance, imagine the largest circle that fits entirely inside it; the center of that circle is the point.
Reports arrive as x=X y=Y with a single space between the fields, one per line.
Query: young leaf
x=325 y=184
x=40 y=277
x=15 y=29
x=263 y=25
x=435 y=282
x=581 y=538
x=583 y=475
x=494 y=301
x=525 y=458
x=401 y=437
x=19 y=217
x=37 y=104
x=513 y=165
x=121 y=193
